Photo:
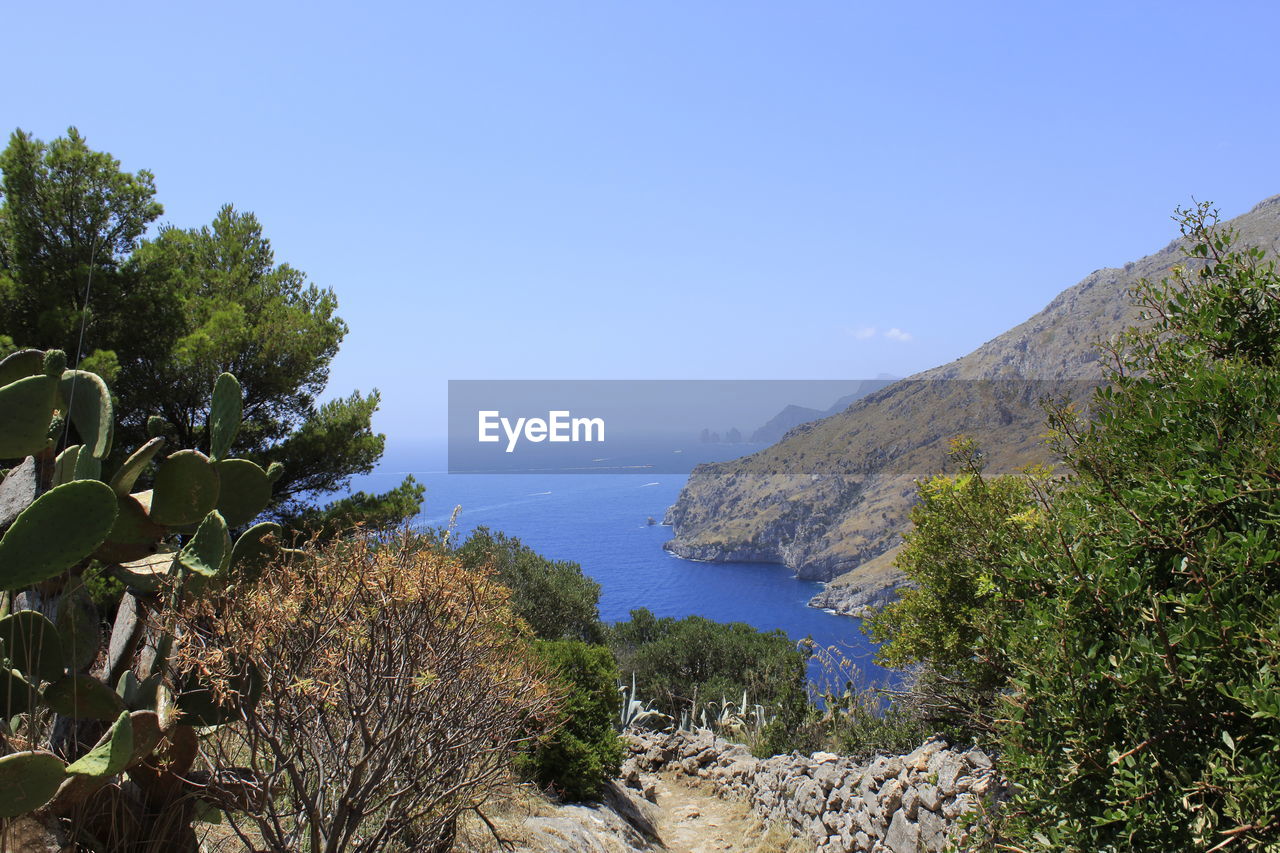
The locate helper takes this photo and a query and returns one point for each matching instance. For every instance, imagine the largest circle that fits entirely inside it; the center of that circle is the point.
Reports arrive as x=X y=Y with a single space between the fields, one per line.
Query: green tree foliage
x=965 y=529
x=1139 y=612
x=167 y=315
x=585 y=752
x=378 y=513
x=1146 y=707
x=673 y=658
x=553 y=596
x=69 y=221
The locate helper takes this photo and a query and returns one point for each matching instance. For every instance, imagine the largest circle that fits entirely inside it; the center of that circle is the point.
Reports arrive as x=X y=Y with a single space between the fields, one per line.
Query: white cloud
x=896 y=334
x=864 y=332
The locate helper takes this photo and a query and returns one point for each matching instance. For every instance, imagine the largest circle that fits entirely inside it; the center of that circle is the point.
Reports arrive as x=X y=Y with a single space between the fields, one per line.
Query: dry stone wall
x=903 y=803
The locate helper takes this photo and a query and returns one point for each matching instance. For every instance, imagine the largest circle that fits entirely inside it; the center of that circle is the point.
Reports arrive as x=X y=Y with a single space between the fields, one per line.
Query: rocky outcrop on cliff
x=898 y=803
x=835 y=494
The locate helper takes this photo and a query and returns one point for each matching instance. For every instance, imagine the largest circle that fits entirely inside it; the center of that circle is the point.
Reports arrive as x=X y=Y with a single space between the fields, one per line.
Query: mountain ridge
x=831 y=497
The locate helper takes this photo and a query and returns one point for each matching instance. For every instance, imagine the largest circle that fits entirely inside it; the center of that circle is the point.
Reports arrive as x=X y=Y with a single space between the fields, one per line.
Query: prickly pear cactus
x=59 y=515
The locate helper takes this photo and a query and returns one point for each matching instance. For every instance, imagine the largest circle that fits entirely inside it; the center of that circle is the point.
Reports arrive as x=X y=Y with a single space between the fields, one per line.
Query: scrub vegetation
x=194 y=648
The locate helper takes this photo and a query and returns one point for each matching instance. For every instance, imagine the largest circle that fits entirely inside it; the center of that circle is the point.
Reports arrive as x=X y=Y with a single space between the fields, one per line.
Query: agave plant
x=635 y=713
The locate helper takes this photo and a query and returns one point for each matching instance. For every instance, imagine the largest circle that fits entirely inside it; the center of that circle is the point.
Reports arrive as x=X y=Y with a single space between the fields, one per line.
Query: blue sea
x=600 y=521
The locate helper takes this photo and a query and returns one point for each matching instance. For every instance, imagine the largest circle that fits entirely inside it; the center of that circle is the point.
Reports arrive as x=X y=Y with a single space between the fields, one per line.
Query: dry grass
x=776 y=838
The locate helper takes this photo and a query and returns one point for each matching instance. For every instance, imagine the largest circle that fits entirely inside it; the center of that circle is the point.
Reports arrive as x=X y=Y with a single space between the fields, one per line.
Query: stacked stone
x=903 y=804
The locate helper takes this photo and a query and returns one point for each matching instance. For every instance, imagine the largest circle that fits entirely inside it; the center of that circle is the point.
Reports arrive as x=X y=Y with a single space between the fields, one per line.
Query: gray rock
x=862 y=820
x=19 y=489
x=981 y=785
x=929 y=797
x=892 y=803
x=903 y=835
x=891 y=796
x=978 y=758
x=810 y=798
x=918 y=759
x=911 y=802
x=933 y=832
x=826 y=777
x=837 y=798
x=960 y=805
x=949 y=770
x=885 y=767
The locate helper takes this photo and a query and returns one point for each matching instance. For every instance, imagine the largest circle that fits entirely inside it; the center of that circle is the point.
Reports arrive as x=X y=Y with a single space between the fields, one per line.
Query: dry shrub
x=395 y=686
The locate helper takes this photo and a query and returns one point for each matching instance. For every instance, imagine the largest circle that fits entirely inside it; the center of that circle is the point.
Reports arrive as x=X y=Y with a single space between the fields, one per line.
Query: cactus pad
x=83 y=696
x=64 y=467
x=244 y=491
x=111 y=754
x=17 y=696
x=88 y=403
x=55 y=363
x=206 y=551
x=146 y=575
x=26 y=410
x=186 y=488
x=133 y=536
x=78 y=628
x=255 y=549
x=62 y=527
x=33 y=645
x=28 y=780
x=88 y=466
x=224 y=415
x=20 y=365
x=137 y=462
x=146 y=734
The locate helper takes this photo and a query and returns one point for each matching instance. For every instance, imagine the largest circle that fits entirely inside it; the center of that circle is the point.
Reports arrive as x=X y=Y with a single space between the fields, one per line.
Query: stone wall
x=903 y=804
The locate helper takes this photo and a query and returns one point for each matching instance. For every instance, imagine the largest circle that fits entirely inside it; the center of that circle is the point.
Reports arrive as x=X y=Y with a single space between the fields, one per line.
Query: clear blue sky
x=667 y=189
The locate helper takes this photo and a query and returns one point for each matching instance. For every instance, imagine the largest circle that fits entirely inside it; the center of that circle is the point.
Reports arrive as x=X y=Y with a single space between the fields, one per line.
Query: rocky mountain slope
x=831 y=498
x=793 y=416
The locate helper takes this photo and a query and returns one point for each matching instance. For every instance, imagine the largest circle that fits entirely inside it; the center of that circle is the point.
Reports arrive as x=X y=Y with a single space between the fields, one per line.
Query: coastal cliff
x=835 y=494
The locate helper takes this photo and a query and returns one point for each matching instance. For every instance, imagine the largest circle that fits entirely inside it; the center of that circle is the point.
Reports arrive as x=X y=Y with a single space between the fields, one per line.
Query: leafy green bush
x=1146 y=708
x=863 y=725
x=578 y=758
x=965 y=527
x=679 y=660
x=553 y=596
x=1137 y=611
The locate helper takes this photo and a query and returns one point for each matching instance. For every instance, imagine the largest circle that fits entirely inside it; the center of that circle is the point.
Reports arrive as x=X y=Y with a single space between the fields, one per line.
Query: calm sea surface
x=600 y=522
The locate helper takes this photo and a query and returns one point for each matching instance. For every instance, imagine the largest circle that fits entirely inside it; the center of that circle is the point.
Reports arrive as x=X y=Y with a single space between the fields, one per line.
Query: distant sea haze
x=602 y=523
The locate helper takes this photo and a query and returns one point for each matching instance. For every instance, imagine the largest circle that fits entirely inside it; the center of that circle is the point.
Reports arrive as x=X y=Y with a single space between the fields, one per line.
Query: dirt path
x=688 y=817
x=692 y=819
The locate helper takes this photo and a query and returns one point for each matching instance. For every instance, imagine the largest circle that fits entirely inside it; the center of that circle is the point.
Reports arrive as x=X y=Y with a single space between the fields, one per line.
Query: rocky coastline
x=833 y=495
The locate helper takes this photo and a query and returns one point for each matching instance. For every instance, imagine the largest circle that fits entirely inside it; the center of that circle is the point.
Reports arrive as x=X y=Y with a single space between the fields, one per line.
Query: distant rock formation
x=834 y=494
x=793 y=416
